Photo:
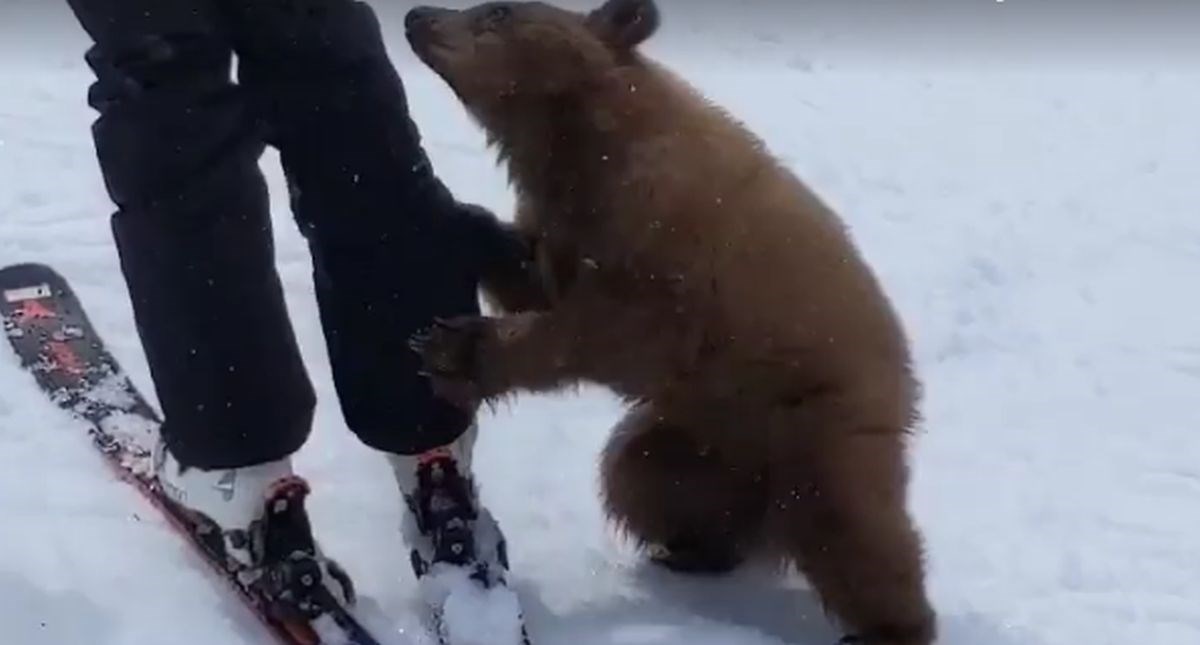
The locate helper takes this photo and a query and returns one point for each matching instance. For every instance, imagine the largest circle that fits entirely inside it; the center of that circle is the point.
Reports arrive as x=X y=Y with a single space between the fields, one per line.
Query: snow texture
x=1038 y=227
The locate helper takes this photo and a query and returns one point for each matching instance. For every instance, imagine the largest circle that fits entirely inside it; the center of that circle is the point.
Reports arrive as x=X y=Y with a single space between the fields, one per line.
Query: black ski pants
x=179 y=142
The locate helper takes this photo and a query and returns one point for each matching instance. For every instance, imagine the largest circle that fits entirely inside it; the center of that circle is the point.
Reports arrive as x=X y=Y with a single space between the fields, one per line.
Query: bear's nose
x=419 y=16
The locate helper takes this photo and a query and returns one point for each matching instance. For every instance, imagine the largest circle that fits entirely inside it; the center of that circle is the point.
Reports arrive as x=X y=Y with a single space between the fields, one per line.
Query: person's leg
x=179 y=153
x=381 y=226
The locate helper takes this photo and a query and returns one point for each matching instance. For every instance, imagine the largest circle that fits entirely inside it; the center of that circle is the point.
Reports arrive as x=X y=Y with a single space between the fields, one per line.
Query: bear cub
x=676 y=262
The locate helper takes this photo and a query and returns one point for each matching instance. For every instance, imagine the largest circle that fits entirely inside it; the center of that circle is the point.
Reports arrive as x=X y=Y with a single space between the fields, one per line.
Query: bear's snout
x=423 y=17
x=422 y=27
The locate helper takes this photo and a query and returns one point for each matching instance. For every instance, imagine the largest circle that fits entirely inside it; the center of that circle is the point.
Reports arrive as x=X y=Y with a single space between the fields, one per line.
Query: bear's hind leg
x=696 y=509
x=838 y=510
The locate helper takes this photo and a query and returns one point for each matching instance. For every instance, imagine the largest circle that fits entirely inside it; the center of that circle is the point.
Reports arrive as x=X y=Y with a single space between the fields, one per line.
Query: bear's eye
x=498 y=14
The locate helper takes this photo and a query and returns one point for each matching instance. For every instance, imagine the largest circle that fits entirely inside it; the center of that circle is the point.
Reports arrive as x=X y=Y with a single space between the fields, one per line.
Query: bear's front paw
x=450 y=352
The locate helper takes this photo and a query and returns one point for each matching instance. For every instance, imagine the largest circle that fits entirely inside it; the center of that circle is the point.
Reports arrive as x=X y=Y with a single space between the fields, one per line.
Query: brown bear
x=679 y=264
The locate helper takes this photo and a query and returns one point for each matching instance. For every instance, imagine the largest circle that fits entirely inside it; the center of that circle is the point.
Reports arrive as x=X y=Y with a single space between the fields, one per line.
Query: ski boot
x=457 y=550
x=253 y=519
x=445 y=524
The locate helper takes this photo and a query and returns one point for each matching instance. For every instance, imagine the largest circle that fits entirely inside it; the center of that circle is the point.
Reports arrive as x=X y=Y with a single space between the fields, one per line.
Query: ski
x=47 y=327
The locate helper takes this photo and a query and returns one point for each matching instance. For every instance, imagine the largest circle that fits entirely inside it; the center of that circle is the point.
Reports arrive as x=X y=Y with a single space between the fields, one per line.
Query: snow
x=1037 y=225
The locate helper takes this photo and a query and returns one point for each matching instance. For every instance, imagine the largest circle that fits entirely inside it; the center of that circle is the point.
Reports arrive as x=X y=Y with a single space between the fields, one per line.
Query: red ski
x=48 y=328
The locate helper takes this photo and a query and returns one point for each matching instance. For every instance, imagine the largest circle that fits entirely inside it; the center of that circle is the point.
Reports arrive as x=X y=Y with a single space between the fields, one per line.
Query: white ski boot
x=254 y=520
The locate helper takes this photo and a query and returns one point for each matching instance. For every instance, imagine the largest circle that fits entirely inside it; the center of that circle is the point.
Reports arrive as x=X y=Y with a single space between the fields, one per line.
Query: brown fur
x=683 y=267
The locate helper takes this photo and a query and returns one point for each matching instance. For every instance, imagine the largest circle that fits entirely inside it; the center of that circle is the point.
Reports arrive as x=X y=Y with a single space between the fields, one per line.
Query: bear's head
x=500 y=52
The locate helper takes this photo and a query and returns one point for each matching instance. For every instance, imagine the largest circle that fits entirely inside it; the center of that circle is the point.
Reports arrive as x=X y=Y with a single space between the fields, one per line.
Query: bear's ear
x=625 y=24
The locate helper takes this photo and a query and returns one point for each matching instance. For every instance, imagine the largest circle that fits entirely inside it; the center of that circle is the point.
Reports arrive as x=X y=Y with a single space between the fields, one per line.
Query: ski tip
x=30 y=268
x=29 y=274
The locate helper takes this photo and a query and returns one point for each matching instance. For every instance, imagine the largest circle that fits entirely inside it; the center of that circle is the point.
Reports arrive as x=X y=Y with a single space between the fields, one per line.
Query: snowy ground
x=1039 y=229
